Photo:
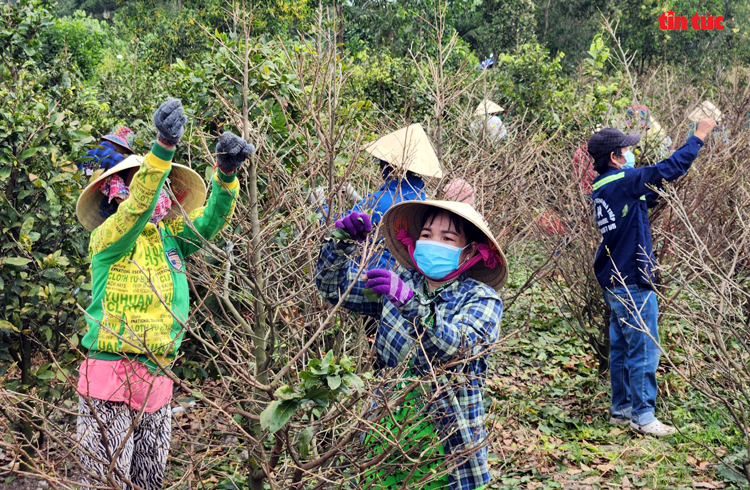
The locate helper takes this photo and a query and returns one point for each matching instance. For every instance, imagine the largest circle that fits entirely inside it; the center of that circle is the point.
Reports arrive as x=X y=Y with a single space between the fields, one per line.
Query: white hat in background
x=706 y=109
x=487 y=107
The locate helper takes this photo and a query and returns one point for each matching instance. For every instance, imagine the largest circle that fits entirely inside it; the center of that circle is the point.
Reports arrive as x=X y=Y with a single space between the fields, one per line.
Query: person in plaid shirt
x=439 y=313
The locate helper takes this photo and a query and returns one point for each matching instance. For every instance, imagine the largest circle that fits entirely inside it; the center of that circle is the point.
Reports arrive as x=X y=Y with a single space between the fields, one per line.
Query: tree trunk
x=27 y=408
x=601 y=345
x=260 y=327
x=602 y=353
x=546 y=20
x=340 y=36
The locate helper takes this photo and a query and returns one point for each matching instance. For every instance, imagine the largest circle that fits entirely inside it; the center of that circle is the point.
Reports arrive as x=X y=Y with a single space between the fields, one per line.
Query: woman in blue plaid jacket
x=439 y=318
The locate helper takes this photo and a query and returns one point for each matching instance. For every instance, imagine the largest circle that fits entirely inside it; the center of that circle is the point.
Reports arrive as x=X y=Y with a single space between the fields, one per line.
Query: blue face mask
x=629 y=160
x=436 y=259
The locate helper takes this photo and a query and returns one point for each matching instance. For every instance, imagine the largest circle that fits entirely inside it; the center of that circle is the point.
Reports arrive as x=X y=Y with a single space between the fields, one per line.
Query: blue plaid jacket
x=467 y=323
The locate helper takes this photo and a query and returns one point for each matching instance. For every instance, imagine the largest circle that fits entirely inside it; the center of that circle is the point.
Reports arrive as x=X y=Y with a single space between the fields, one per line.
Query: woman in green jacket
x=140 y=298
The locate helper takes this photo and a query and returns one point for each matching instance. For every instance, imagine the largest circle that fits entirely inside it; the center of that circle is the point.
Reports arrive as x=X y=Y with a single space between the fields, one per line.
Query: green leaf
x=265 y=415
x=340 y=234
x=309 y=380
x=17 y=261
x=732 y=474
x=353 y=381
x=334 y=382
x=6 y=325
x=45 y=375
x=347 y=363
x=316 y=367
x=315 y=395
x=319 y=402
x=77 y=134
x=27 y=226
x=305 y=437
x=28 y=153
x=277 y=414
x=325 y=364
x=286 y=392
x=5 y=173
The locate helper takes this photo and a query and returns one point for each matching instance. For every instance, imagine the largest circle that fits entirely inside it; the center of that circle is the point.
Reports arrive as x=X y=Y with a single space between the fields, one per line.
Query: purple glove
x=356 y=225
x=387 y=283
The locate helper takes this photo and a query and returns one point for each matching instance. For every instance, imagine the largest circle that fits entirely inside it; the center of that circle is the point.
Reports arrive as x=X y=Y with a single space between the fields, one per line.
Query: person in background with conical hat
x=639 y=118
x=441 y=308
x=486 y=118
x=139 y=242
x=113 y=149
x=406 y=158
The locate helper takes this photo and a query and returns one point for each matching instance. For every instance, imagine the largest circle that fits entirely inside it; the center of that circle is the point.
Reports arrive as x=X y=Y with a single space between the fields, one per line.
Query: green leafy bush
x=79 y=39
x=43 y=248
x=325 y=381
x=387 y=81
x=166 y=32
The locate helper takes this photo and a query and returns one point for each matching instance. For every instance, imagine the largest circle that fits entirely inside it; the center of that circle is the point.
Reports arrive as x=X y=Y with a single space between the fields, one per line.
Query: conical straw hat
x=408 y=149
x=706 y=109
x=408 y=215
x=186 y=185
x=487 y=107
x=653 y=126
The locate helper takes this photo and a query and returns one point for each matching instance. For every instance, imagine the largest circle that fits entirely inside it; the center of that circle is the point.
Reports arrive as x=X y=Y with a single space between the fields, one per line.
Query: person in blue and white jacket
x=625 y=267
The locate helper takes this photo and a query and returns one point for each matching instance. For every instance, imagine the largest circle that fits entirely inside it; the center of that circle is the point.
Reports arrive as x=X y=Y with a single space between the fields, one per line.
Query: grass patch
x=550 y=421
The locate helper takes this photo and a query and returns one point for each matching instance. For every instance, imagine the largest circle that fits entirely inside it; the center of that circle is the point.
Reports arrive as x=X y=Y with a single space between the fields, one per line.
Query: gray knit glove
x=169 y=120
x=231 y=152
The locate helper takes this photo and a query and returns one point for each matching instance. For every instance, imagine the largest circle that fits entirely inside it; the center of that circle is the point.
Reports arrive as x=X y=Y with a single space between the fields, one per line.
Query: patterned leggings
x=138 y=442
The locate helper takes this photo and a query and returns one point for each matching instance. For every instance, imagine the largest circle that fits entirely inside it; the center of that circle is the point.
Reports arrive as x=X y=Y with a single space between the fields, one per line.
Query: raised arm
x=639 y=181
x=214 y=216
x=114 y=238
x=210 y=219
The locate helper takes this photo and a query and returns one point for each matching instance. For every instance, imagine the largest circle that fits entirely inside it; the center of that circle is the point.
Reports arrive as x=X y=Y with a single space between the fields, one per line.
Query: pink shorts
x=124 y=380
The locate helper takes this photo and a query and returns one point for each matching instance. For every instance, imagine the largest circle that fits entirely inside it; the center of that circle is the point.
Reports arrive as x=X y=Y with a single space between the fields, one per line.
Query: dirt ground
x=24 y=483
